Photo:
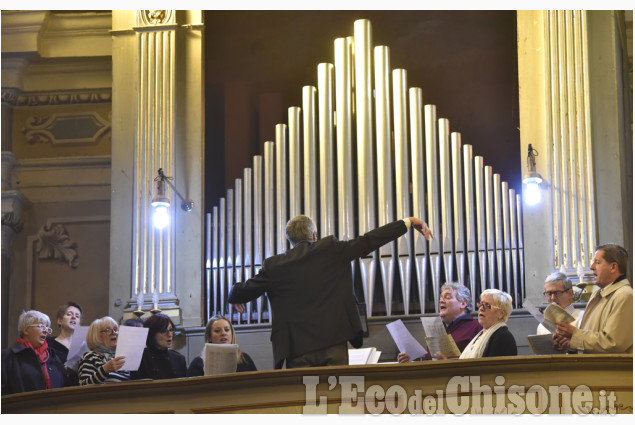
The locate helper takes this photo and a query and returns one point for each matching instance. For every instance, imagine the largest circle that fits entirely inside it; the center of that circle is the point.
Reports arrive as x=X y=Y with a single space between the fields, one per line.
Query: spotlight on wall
x=532 y=179
x=161 y=203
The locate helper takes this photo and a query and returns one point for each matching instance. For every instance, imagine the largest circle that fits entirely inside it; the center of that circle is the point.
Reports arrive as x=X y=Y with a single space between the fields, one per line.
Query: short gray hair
x=560 y=277
x=299 y=229
x=32 y=317
x=502 y=300
x=462 y=293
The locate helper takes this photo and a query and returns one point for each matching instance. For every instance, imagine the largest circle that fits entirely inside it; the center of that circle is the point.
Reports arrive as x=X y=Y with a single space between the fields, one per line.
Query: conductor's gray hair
x=299 y=229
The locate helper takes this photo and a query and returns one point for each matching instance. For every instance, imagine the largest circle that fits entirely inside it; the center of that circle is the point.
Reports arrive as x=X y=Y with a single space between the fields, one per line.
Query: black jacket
x=21 y=371
x=310 y=288
x=501 y=343
x=160 y=364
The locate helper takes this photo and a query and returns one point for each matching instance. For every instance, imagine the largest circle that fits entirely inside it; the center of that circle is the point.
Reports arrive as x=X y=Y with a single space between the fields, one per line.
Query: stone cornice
x=21 y=29
x=15 y=97
x=57 y=34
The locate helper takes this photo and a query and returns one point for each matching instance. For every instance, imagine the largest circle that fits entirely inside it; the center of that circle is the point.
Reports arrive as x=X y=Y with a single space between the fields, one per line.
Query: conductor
x=310 y=288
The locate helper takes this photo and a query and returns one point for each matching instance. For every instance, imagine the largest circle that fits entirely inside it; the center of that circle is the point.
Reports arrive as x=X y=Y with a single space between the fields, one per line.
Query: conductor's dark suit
x=311 y=292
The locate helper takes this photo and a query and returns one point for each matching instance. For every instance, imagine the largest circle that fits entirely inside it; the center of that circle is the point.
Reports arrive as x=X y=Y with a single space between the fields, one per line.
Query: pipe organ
x=362 y=151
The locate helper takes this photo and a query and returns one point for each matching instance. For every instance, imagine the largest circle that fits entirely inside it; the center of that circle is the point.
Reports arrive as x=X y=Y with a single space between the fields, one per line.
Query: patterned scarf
x=42 y=353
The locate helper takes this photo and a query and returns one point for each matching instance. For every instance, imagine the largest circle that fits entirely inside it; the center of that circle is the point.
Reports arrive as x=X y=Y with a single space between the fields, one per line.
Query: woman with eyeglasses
x=219 y=330
x=69 y=316
x=99 y=365
x=30 y=365
x=159 y=361
x=495 y=339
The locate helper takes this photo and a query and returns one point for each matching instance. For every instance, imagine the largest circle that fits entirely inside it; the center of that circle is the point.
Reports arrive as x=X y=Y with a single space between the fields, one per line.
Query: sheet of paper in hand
x=433 y=326
x=130 y=344
x=555 y=313
x=533 y=310
x=220 y=358
x=405 y=341
x=444 y=344
x=542 y=344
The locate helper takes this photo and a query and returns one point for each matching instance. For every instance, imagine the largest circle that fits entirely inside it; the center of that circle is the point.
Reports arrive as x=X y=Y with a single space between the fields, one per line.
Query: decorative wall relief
x=14 y=221
x=65 y=128
x=17 y=98
x=155 y=17
x=54 y=243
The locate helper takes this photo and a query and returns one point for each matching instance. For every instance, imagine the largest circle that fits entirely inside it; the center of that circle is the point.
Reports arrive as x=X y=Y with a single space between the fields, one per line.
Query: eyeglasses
x=109 y=331
x=447 y=297
x=42 y=328
x=167 y=331
x=486 y=306
x=553 y=293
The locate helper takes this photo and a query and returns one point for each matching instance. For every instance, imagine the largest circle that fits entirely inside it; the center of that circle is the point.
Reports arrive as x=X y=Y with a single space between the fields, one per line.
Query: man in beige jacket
x=607 y=325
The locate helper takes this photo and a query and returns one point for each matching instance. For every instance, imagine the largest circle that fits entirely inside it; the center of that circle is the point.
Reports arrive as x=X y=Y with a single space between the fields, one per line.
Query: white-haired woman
x=99 y=365
x=29 y=365
x=495 y=339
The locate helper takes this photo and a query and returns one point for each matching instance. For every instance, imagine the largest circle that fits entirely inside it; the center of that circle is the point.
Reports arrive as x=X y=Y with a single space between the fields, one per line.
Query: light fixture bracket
x=161 y=199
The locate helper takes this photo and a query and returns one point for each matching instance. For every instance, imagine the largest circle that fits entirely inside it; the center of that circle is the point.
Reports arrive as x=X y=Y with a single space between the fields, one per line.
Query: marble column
x=571 y=90
x=157 y=123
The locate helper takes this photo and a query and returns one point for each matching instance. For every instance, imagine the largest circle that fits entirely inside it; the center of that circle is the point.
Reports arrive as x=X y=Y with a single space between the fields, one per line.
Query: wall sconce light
x=532 y=179
x=161 y=203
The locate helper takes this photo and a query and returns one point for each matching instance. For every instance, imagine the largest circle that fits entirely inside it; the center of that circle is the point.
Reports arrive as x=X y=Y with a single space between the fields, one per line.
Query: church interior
x=257 y=116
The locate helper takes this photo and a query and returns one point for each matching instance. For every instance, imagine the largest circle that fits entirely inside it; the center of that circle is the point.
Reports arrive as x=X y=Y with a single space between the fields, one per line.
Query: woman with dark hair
x=69 y=316
x=29 y=365
x=219 y=330
x=158 y=361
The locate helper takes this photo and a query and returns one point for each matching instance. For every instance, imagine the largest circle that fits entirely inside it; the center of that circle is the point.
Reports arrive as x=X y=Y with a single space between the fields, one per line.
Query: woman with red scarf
x=29 y=365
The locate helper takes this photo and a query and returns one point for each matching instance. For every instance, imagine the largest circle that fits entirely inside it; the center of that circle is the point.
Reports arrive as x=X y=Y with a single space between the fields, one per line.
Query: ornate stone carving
x=87 y=128
x=14 y=221
x=15 y=98
x=54 y=243
x=156 y=17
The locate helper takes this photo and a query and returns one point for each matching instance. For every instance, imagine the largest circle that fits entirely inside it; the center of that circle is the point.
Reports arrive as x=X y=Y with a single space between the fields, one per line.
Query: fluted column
x=572 y=112
x=157 y=123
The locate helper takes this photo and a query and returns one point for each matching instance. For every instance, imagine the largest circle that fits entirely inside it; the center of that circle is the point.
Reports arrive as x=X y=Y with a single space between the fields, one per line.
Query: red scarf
x=43 y=355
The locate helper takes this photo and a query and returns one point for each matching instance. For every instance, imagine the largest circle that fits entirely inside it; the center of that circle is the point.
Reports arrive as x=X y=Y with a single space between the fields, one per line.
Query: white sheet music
x=130 y=343
x=433 y=326
x=533 y=310
x=555 y=313
x=220 y=358
x=405 y=341
x=360 y=355
x=77 y=349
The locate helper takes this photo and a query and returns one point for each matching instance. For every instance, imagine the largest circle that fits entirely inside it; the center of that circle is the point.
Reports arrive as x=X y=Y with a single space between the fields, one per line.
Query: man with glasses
x=607 y=325
x=559 y=290
x=455 y=304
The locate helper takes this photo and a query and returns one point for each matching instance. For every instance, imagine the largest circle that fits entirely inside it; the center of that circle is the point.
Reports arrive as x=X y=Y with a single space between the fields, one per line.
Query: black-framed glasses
x=485 y=306
x=109 y=331
x=42 y=328
x=168 y=331
x=553 y=293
